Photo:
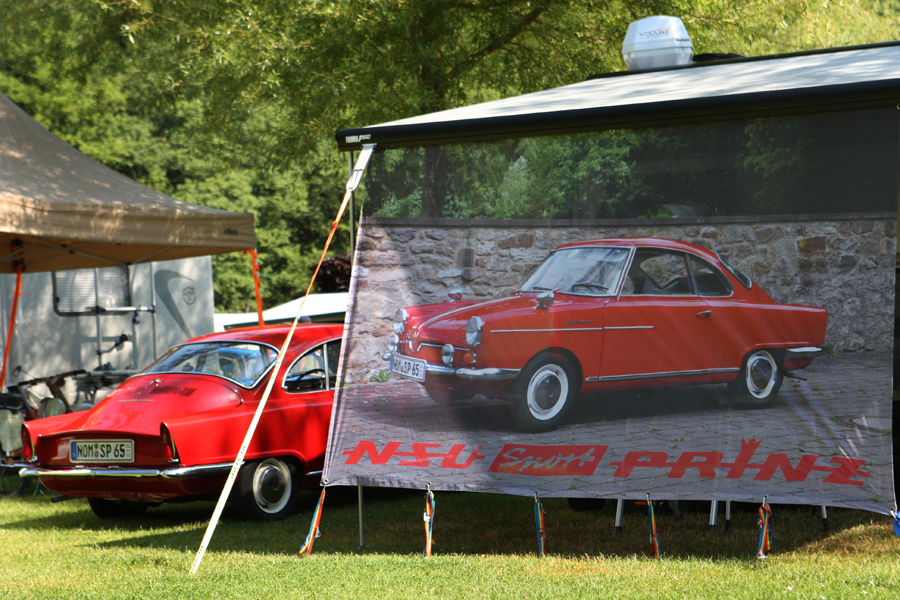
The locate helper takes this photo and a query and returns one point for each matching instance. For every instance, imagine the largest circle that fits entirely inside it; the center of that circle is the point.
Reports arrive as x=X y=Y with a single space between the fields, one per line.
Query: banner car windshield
x=696 y=311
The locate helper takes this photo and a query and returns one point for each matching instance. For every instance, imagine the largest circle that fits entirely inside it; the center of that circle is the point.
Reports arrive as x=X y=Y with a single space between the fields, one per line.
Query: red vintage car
x=172 y=432
x=605 y=315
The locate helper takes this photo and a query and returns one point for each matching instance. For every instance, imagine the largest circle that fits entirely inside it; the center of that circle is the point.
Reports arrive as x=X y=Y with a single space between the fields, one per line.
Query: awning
x=66 y=211
x=821 y=80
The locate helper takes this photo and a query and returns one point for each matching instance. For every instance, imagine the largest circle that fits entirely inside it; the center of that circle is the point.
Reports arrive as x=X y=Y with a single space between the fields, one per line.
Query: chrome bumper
x=474 y=374
x=114 y=473
x=806 y=352
x=488 y=374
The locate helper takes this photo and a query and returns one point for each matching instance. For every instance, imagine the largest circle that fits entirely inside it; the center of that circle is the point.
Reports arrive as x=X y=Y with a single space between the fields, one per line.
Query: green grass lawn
x=484 y=548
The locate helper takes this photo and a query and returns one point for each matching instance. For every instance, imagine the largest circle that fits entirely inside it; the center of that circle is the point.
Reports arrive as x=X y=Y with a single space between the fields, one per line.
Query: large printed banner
x=604 y=316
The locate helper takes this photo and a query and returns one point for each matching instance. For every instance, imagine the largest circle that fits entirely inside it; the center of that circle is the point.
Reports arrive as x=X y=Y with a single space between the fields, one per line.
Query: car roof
x=274 y=334
x=647 y=242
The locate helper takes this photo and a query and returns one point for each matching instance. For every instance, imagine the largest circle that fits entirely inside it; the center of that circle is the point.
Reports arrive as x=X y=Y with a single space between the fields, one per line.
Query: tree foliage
x=105 y=97
x=356 y=62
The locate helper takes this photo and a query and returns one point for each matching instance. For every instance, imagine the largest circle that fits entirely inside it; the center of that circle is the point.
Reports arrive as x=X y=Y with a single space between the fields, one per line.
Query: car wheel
x=107 y=508
x=268 y=489
x=545 y=389
x=10 y=482
x=448 y=396
x=760 y=379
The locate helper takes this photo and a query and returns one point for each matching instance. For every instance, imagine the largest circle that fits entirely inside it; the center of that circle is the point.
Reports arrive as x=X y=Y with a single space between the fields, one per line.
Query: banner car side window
x=314 y=371
x=656 y=272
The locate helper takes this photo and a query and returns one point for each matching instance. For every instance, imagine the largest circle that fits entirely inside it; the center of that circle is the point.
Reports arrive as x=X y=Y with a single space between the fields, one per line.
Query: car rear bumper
x=120 y=473
x=805 y=352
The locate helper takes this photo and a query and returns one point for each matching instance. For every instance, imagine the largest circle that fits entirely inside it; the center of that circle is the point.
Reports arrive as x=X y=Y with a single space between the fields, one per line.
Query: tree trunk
x=434 y=192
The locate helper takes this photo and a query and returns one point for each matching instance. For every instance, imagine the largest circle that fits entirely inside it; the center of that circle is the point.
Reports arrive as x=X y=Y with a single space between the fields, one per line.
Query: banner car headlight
x=473 y=331
x=400 y=319
x=447 y=353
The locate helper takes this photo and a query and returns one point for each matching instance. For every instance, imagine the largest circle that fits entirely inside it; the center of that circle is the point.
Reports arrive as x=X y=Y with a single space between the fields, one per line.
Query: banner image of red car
x=604 y=315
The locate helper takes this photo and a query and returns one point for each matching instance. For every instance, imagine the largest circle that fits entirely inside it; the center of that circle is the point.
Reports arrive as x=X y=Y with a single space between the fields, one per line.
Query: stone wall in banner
x=845 y=264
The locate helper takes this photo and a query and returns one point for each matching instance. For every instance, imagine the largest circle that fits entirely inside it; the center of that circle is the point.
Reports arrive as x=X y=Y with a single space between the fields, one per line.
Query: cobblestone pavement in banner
x=842 y=410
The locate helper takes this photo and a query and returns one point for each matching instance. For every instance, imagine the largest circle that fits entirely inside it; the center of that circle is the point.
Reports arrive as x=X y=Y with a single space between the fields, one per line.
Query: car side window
x=314 y=371
x=708 y=280
x=657 y=273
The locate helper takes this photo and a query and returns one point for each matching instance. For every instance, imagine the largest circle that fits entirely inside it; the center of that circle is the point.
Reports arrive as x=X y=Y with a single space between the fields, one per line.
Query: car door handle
x=703 y=315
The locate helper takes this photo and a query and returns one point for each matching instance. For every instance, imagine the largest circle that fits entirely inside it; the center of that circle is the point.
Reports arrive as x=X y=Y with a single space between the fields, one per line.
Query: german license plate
x=412 y=368
x=102 y=451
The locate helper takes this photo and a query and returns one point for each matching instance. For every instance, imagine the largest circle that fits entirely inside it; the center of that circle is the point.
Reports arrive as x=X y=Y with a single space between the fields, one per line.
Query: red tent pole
x=259 y=309
x=12 y=323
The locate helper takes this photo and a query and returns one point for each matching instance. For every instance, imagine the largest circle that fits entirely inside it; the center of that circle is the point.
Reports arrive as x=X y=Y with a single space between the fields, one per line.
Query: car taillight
x=28 y=452
x=169 y=450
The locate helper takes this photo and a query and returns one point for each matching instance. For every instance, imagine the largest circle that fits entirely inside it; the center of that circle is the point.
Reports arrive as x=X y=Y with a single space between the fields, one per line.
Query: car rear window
x=241 y=362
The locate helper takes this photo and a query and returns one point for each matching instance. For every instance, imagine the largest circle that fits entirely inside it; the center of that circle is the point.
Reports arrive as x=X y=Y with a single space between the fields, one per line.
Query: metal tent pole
x=153 y=314
x=352 y=228
x=97 y=316
x=359 y=488
x=620 y=506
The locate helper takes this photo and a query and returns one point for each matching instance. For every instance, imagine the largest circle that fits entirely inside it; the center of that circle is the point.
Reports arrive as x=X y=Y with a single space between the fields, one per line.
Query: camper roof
x=803 y=82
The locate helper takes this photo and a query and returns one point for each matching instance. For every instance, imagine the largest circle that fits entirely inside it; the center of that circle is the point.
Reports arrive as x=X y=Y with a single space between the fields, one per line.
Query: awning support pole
x=352 y=228
x=12 y=320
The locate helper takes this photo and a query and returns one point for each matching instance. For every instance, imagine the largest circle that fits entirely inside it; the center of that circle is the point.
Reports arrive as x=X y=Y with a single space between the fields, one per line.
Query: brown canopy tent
x=68 y=211
x=60 y=209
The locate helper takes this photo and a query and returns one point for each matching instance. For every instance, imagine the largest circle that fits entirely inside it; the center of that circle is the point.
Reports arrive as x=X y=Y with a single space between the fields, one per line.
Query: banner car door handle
x=704 y=315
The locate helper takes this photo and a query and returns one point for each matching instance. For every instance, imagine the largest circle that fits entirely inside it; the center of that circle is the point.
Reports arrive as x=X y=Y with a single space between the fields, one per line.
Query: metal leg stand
x=620 y=506
x=713 y=514
x=362 y=527
x=727 y=516
x=825 y=518
x=676 y=509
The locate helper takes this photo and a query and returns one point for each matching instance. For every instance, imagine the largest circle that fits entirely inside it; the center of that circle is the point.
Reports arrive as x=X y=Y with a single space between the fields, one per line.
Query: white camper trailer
x=109 y=322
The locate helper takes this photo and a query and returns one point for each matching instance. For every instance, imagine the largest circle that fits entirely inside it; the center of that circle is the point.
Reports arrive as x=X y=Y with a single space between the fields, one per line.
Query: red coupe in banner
x=604 y=315
x=172 y=432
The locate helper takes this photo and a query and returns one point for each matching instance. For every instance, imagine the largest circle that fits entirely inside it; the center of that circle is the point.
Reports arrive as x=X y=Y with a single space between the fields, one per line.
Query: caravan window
x=88 y=291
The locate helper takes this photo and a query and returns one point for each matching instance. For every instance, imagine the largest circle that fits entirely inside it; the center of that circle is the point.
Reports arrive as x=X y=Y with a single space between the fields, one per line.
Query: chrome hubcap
x=547 y=392
x=272 y=485
x=761 y=374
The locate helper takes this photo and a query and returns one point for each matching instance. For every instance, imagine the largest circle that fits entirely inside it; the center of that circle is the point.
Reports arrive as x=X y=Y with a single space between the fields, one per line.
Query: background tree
x=67 y=64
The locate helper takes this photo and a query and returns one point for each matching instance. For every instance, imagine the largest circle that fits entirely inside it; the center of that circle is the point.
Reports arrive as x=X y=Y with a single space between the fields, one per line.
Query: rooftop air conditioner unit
x=655 y=43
